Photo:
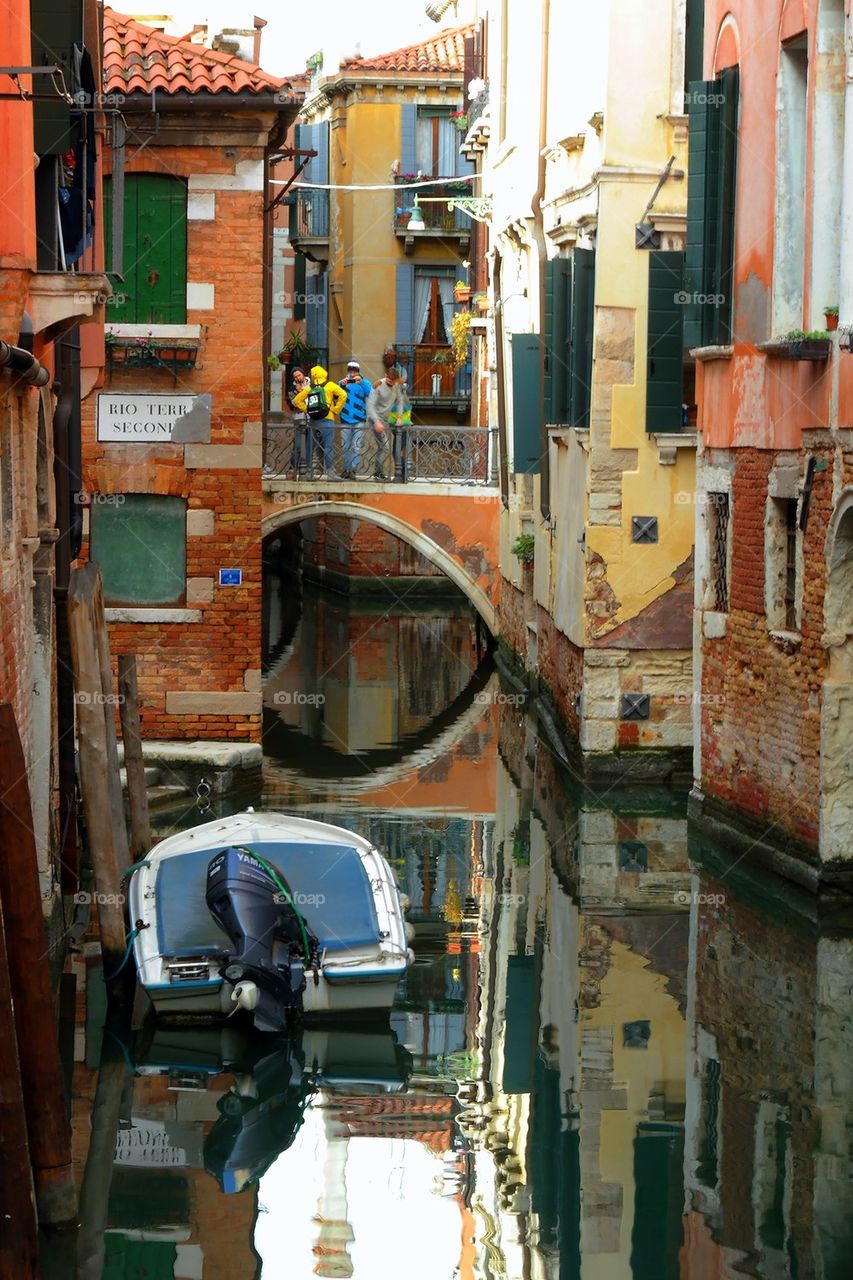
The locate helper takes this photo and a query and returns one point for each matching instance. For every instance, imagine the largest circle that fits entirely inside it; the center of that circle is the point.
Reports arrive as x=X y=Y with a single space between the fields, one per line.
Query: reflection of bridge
x=452 y=523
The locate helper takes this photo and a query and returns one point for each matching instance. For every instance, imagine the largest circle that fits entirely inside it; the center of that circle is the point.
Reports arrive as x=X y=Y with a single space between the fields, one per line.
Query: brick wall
x=216 y=661
x=760 y=698
x=361 y=549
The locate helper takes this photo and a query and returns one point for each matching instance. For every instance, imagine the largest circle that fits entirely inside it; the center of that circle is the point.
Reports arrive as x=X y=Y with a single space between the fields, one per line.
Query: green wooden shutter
x=299 y=282
x=527 y=426
x=521 y=1019
x=558 y=288
x=702 y=205
x=582 y=322
x=665 y=345
x=724 y=263
x=140 y=543
x=154 y=290
x=694 y=39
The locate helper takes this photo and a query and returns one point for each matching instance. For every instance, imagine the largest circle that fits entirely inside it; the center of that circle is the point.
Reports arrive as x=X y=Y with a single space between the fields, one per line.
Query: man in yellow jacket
x=322 y=401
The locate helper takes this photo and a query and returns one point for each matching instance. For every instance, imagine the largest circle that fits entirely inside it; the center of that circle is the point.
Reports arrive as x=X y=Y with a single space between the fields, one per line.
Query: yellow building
x=585 y=161
x=367 y=280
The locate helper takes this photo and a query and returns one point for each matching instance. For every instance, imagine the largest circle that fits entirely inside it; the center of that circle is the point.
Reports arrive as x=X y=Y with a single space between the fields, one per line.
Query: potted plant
x=830 y=314
x=402 y=217
x=296 y=348
x=524 y=546
x=460 y=119
x=461 y=291
x=460 y=329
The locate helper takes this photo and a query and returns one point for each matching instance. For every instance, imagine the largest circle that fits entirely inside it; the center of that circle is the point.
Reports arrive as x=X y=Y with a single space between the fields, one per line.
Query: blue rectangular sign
x=230 y=577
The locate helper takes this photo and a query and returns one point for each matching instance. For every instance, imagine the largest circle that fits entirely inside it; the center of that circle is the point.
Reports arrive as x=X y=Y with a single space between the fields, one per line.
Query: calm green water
x=612 y=1058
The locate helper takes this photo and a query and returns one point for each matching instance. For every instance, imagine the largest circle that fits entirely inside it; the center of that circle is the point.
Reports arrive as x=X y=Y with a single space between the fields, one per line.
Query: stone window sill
x=152 y=614
x=787 y=641
x=669 y=442
x=706 y=354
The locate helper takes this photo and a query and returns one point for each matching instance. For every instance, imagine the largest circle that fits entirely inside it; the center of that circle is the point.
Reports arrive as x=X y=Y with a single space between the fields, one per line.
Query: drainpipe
x=274 y=144
x=845 y=298
x=503 y=460
x=541 y=246
x=23 y=365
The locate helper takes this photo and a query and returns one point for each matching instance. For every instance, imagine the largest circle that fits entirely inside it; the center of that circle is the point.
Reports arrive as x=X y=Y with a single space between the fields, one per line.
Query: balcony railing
x=309 y=216
x=438 y=219
x=464 y=455
x=429 y=374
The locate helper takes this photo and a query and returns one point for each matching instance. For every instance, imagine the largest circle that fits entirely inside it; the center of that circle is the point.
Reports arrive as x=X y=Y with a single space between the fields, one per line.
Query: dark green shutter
x=665 y=346
x=694 y=39
x=155 y=251
x=521 y=1020
x=527 y=426
x=713 y=111
x=299 y=279
x=582 y=323
x=558 y=288
x=140 y=543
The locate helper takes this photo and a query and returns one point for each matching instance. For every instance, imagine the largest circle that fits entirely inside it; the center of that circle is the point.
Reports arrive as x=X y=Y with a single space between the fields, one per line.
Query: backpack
x=317 y=406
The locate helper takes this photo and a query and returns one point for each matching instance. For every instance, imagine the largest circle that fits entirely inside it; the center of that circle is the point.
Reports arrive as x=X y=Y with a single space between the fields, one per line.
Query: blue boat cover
x=339 y=907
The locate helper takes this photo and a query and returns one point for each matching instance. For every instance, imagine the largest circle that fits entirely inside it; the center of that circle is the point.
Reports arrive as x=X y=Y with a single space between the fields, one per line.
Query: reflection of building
x=575 y=1111
x=769 y=1090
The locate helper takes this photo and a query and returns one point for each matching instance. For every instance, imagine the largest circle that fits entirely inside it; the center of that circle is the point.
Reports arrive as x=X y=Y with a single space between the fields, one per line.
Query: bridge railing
x=454 y=454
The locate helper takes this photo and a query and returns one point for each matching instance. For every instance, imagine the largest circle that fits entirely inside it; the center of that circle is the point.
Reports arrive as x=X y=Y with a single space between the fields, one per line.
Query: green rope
x=243 y=848
x=130 y=937
x=143 y=862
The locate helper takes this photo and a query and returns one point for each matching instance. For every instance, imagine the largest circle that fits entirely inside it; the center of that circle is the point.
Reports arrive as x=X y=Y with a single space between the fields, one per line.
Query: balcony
x=309 y=222
x=441 y=223
x=431 y=380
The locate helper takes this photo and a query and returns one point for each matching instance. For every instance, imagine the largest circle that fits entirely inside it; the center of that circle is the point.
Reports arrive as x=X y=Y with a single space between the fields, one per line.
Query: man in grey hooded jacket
x=385 y=406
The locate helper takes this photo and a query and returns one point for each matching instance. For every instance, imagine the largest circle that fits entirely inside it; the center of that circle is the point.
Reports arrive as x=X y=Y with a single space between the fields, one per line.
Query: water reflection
x=612 y=1058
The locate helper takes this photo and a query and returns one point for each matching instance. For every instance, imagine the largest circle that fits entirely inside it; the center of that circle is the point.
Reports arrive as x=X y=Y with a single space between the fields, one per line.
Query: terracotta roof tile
x=140 y=59
x=443 y=52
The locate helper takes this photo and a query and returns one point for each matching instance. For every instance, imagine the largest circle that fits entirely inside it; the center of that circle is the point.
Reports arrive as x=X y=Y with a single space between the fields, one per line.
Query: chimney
x=260 y=23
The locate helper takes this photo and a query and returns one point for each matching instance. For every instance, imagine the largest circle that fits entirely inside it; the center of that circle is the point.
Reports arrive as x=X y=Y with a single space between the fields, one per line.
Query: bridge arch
x=429 y=549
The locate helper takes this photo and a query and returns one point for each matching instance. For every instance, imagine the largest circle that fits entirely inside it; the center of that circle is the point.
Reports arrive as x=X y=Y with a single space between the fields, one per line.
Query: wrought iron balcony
x=359 y=455
x=439 y=221
x=430 y=377
x=309 y=217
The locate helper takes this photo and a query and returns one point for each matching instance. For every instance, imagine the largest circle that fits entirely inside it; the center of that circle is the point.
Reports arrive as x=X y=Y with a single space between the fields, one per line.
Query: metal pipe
x=542 y=255
x=503 y=460
x=23 y=365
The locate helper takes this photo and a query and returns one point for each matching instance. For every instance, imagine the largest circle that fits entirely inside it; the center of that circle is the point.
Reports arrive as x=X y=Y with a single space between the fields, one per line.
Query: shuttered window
x=154 y=289
x=713 y=111
x=527 y=426
x=569 y=320
x=665 y=345
x=140 y=542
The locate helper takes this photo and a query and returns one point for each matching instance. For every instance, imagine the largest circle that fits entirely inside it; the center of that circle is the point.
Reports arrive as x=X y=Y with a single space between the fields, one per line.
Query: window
x=782 y=565
x=569 y=317
x=665 y=365
x=154 y=289
x=139 y=541
x=709 y=266
x=436 y=143
x=718 y=550
x=789 y=249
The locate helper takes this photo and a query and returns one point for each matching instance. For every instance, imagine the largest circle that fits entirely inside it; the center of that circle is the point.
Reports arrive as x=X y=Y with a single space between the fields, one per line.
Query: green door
x=127 y=1259
x=154 y=289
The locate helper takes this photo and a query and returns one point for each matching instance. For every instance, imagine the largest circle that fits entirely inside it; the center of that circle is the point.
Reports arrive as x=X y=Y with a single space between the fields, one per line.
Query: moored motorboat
x=275 y=915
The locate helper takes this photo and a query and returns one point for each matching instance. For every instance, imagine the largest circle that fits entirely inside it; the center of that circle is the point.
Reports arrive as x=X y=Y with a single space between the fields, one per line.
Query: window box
x=798 y=348
x=173 y=347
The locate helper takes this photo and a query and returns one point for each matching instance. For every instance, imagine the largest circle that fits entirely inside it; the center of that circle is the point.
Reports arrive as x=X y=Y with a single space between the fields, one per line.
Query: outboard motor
x=267 y=966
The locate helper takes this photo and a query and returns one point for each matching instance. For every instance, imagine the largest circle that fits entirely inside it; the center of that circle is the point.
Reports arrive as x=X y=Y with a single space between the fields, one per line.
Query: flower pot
x=831 y=321
x=462 y=295
x=403 y=219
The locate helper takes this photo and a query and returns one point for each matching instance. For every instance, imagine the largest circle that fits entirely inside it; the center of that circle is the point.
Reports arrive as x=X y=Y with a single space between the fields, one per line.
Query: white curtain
x=423 y=290
x=423 y=144
x=448 y=148
x=445 y=292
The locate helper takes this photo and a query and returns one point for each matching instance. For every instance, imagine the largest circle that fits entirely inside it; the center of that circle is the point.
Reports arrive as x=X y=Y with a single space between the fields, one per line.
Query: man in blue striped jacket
x=353 y=418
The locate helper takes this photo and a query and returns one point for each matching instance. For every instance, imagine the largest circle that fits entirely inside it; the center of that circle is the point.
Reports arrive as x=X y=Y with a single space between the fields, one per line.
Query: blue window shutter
x=405 y=301
x=558 y=287
x=582 y=327
x=321 y=163
x=527 y=426
x=664 y=350
x=408 y=129
x=308 y=142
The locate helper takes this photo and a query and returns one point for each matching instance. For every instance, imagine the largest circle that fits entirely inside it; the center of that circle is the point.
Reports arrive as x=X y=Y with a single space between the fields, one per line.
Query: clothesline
x=387 y=186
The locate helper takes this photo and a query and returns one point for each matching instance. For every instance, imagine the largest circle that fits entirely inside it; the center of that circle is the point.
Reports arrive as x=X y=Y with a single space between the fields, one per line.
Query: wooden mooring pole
x=134 y=762
x=48 y=1127
x=18 y=1231
x=99 y=778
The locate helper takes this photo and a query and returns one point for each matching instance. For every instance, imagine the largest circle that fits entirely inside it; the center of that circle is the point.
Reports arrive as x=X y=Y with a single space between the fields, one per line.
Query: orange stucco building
x=771 y=200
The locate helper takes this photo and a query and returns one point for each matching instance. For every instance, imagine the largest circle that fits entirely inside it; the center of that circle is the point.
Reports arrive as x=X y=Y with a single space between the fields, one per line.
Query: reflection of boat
x=311 y=912
x=273 y=1081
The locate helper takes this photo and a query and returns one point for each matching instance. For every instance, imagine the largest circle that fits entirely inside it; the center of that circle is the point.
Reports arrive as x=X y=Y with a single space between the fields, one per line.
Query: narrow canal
x=613 y=1057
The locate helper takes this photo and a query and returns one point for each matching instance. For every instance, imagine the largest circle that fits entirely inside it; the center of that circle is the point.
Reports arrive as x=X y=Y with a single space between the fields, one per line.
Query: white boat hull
x=360 y=980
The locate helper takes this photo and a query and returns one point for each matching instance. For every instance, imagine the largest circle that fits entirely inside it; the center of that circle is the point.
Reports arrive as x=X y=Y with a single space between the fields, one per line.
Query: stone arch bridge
x=455 y=526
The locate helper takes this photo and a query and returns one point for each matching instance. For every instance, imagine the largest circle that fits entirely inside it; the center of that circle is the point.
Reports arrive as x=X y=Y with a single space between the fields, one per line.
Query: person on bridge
x=323 y=401
x=353 y=417
x=386 y=406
